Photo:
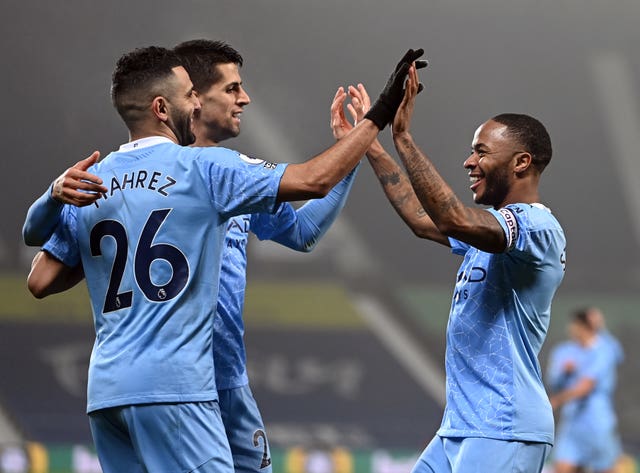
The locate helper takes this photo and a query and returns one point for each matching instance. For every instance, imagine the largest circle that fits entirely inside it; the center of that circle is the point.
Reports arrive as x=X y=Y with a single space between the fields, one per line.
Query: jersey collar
x=144 y=143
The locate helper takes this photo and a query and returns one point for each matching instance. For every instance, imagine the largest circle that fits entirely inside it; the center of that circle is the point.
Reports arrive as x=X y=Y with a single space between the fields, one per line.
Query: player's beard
x=496 y=188
x=181 y=125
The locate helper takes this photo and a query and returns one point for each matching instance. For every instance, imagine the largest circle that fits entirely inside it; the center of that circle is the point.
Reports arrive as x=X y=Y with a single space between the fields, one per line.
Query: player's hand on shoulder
x=78 y=187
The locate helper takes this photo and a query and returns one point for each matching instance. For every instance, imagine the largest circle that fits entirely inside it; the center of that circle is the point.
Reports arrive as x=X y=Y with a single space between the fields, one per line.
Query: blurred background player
x=582 y=379
x=497 y=415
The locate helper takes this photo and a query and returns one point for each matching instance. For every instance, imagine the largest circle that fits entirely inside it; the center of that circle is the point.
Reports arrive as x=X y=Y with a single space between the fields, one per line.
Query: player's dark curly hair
x=200 y=58
x=531 y=134
x=139 y=77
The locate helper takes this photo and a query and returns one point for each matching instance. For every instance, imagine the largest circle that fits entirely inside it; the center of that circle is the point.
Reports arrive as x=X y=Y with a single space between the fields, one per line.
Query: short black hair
x=200 y=58
x=531 y=134
x=581 y=317
x=139 y=77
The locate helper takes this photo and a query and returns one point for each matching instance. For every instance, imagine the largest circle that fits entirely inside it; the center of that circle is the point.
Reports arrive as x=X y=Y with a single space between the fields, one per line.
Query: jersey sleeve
x=63 y=244
x=266 y=225
x=239 y=184
x=41 y=220
x=529 y=232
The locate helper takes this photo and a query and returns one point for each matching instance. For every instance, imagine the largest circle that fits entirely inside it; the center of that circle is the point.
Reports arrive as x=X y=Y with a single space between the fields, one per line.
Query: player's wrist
x=52 y=199
x=401 y=137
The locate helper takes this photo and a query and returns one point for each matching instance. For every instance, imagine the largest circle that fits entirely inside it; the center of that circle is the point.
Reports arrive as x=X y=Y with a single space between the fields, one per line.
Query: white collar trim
x=144 y=143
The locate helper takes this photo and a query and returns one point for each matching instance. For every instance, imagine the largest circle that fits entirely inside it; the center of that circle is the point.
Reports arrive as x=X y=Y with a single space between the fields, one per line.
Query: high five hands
x=398 y=95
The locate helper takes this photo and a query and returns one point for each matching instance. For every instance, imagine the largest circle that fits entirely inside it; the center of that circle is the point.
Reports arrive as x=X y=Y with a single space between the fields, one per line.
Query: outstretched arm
x=75 y=187
x=301 y=229
x=581 y=389
x=317 y=176
x=476 y=227
x=394 y=181
x=314 y=218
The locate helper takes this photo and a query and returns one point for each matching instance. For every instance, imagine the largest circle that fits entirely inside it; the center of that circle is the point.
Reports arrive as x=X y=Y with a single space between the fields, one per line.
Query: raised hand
x=340 y=126
x=76 y=186
x=384 y=109
x=360 y=102
x=402 y=119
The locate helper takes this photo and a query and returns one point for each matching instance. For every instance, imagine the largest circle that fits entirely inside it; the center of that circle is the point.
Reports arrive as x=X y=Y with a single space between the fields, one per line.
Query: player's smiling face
x=222 y=106
x=490 y=164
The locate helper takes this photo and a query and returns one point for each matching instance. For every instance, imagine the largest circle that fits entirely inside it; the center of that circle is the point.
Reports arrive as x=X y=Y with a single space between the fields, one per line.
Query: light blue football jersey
x=297 y=229
x=558 y=378
x=151 y=254
x=598 y=363
x=498 y=321
x=228 y=349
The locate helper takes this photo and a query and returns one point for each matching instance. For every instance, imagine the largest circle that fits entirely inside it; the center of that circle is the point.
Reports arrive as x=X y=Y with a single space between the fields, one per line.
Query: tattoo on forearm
x=399 y=201
x=389 y=179
x=430 y=188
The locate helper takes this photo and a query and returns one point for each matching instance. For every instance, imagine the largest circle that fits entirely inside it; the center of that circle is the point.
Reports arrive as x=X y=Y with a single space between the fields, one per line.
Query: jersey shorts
x=245 y=430
x=576 y=445
x=481 y=455
x=161 y=438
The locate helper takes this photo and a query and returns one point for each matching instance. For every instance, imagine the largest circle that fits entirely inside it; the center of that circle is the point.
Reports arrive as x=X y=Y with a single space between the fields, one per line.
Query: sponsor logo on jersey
x=256 y=161
x=250 y=160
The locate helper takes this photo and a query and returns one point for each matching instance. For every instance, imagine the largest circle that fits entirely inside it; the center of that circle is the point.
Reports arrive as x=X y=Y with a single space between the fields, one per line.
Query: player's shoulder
x=532 y=216
x=221 y=155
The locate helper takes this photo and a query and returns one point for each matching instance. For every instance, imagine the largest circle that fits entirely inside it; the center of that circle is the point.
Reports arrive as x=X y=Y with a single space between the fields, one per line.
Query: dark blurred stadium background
x=345 y=344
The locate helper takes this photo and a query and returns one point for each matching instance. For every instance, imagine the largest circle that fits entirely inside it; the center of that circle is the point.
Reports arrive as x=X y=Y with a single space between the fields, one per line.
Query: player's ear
x=160 y=108
x=522 y=162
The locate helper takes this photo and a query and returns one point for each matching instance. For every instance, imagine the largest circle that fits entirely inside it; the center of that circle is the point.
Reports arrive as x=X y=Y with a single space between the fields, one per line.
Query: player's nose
x=243 y=97
x=196 y=103
x=471 y=162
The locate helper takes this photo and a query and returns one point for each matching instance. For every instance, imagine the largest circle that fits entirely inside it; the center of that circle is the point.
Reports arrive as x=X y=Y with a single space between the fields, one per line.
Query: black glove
x=384 y=109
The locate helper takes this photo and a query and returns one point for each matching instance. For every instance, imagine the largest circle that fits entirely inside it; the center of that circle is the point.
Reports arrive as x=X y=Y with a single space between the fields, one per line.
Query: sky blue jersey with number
x=498 y=321
x=151 y=253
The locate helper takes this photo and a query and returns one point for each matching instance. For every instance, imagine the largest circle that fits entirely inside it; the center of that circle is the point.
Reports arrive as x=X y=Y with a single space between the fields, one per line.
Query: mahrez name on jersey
x=151 y=180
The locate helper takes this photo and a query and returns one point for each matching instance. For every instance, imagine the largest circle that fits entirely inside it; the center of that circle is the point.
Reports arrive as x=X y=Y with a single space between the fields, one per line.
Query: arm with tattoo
x=401 y=195
x=476 y=227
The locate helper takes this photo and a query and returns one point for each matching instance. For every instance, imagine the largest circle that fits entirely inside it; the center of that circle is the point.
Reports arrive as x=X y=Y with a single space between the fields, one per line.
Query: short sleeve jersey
x=228 y=347
x=151 y=252
x=498 y=321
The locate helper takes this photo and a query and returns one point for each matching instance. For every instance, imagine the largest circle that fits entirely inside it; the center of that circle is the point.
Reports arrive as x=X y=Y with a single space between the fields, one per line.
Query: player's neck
x=204 y=141
x=146 y=132
x=521 y=194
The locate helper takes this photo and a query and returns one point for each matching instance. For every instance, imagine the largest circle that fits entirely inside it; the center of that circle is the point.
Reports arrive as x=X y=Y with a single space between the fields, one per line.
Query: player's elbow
x=299 y=182
x=36 y=288
x=317 y=189
x=453 y=227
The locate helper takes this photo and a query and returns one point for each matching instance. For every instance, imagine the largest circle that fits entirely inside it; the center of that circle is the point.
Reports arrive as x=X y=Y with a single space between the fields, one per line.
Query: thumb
x=86 y=163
